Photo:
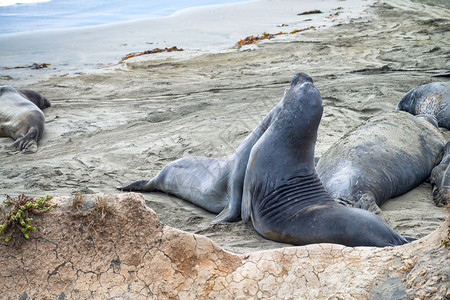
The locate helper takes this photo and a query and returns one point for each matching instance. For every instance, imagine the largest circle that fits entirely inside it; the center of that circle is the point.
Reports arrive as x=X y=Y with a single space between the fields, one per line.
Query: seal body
x=440 y=179
x=388 y=156
x=20 y=119
x=283 y=196
x=429 y=99
x=213 y=184
x=200 y=180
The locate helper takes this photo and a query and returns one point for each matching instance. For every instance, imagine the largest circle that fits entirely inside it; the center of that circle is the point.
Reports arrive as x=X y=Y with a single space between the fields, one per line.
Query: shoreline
x=105 y=130
x=89 y=15
x=198 y=30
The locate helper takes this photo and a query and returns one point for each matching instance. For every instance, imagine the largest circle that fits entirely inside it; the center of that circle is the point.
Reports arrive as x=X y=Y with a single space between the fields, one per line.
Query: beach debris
x=34 y=66
x=39 y=66
x=265 y=36
x=252 y=39
x=333 y=15
x=300 y=30
x=152 y=51
x=283 y=25
x=6 y=77
x=16 y=215
x=310 y=12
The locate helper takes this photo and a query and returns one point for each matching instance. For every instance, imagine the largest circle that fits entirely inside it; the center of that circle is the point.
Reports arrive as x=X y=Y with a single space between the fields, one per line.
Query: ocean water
x=35 y=15
x=70 y=37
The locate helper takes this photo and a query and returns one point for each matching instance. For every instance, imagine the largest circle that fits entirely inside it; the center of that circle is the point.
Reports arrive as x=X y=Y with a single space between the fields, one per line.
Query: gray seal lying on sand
x=386 y=157
x=20 y=118
x=440 y=179
x=429 y=99
x=283 y=196
x=213 y=184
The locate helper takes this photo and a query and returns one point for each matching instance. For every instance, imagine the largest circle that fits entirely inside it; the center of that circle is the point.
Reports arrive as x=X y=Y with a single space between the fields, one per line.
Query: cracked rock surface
x=125 y=252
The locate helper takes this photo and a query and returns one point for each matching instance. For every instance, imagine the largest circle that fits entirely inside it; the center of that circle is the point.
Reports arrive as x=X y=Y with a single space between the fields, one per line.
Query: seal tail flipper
x=316 y=160
x=443 y=74
x=139 y=186
x=26 y=142
x=401 y=240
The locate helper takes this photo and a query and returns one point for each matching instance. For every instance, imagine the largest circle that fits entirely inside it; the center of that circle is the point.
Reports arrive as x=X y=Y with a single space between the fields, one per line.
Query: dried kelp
x=152 y=51
x=34 y=66
x=265 y=36
x=311 y=12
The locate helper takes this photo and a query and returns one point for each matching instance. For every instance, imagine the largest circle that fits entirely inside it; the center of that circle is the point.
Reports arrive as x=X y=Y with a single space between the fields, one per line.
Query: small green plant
x=446 y=242
x=16 y=215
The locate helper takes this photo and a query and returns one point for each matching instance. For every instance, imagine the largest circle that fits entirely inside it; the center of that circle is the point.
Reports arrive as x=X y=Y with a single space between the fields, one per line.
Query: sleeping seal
x=283 y=196
x=210 y=183
x=388 y=156
x=20 y=118
x=37 y=98
x=429 y=99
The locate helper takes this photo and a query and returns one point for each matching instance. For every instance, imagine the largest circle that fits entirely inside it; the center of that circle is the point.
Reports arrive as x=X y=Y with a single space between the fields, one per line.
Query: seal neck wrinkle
x=296 y=194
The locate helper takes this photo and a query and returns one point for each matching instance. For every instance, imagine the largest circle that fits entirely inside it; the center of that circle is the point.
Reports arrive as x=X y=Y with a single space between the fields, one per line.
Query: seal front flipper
x=228 y=214
x=440 y=179
x=368 y=202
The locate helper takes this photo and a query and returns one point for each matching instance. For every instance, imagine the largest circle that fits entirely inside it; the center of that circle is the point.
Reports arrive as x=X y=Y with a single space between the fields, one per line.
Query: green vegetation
x=446 y=242
x=16 y=215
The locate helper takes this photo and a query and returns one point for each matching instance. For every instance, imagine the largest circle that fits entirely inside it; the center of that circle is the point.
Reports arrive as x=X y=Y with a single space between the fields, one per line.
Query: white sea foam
x=12 y=2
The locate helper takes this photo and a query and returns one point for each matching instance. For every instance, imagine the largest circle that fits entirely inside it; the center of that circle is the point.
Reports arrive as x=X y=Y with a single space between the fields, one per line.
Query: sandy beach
x=112 y=128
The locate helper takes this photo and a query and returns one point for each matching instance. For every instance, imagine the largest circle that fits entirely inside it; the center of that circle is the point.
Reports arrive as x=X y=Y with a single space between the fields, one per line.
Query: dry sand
x=106 y=130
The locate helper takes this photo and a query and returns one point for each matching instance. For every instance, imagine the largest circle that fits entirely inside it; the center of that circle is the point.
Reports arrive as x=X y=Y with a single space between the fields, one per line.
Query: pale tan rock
x=128 y=253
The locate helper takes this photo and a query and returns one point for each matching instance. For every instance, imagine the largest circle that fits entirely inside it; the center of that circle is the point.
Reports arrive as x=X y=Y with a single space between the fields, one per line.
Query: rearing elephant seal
x=284 y=197
x=213 y=184
x=388 y=156
x=20 y=119
x=429 y=99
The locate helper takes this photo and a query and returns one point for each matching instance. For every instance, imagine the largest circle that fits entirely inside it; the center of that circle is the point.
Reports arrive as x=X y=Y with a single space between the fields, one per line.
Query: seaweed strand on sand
x=152 y=51
x=252 y=39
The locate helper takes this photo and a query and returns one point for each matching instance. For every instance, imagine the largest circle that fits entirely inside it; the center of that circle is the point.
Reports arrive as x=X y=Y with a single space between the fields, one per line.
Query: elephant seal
x=388 y=156
x=440 y=179
x=20 y=119
x=429 y=99
x=283 y=196
x=36 y=97
x=213 y=184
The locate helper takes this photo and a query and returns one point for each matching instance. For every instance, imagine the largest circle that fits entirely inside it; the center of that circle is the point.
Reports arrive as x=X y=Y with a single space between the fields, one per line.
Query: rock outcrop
x=114 y=246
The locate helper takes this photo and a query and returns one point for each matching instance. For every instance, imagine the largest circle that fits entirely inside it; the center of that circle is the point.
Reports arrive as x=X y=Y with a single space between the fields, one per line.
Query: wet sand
x=109 y=129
